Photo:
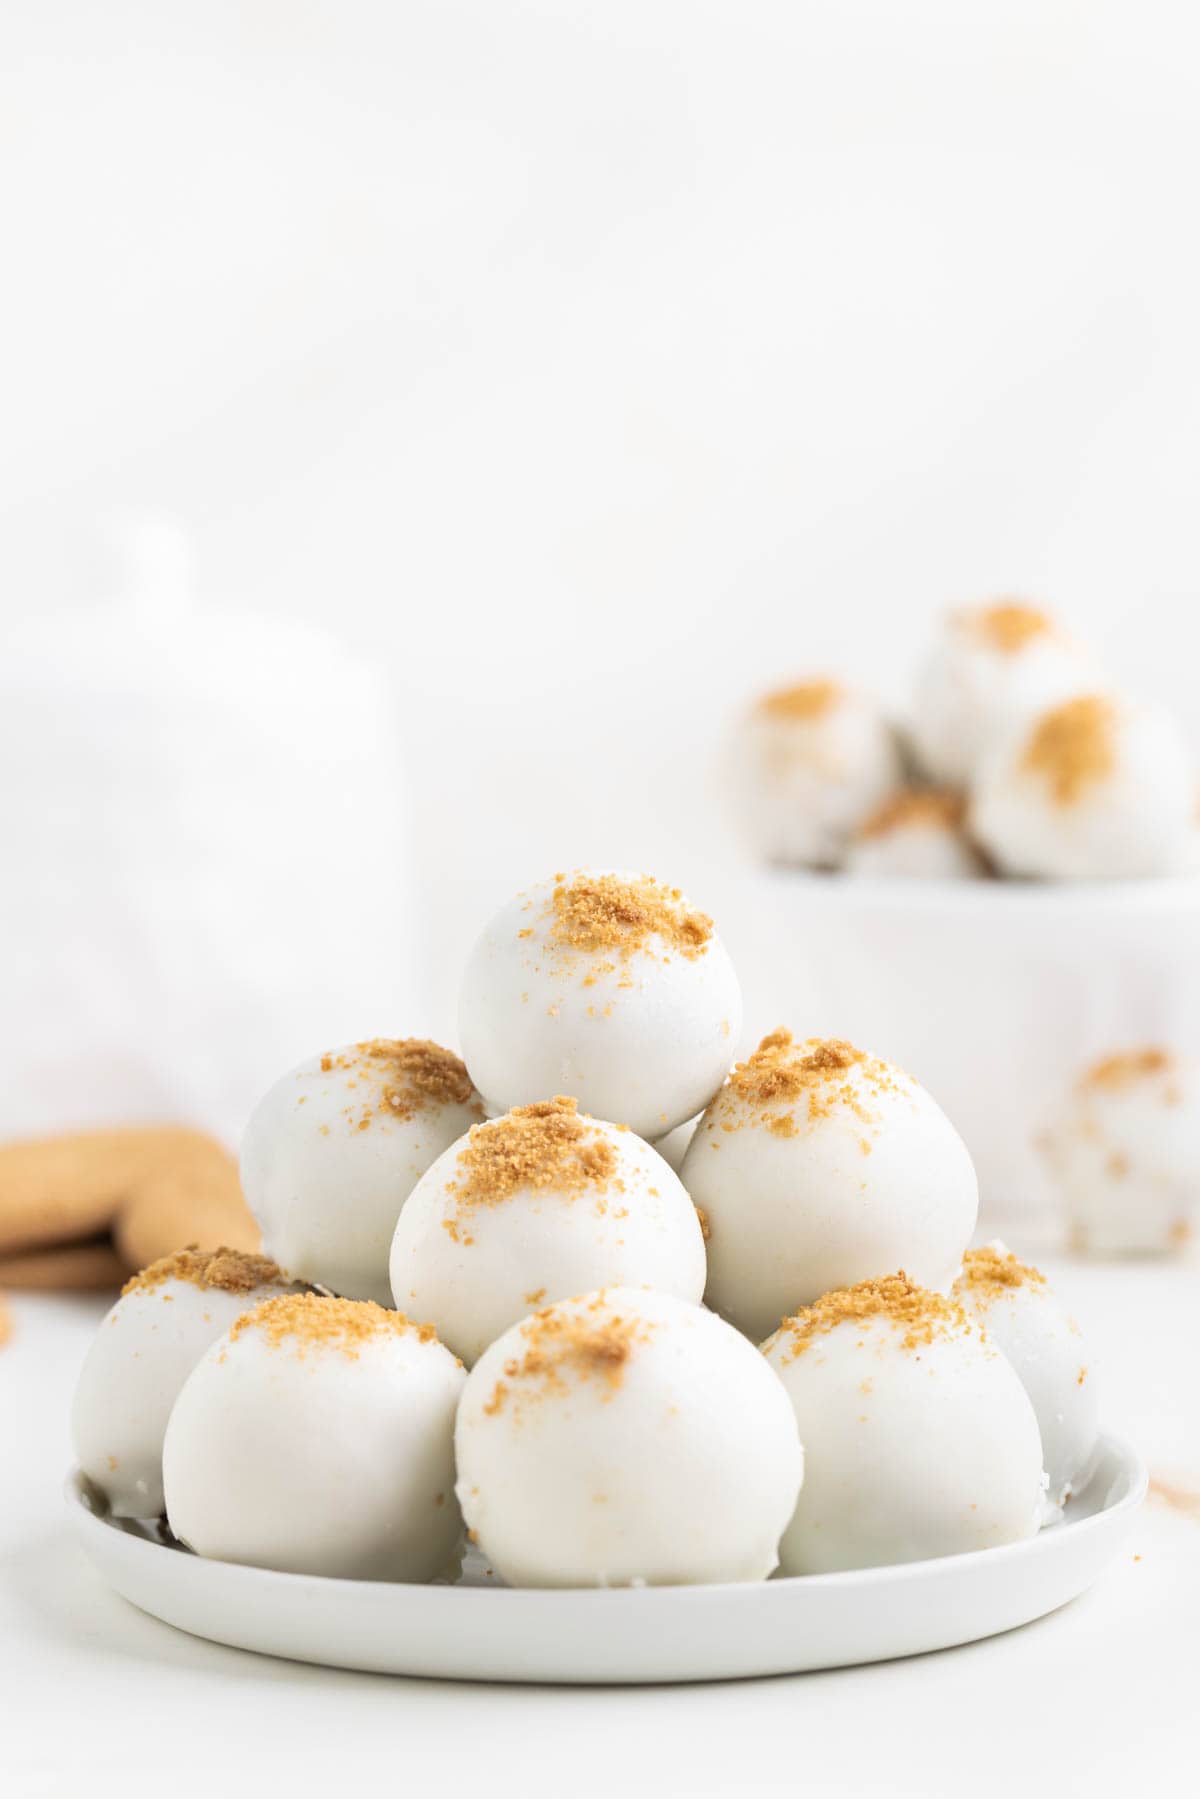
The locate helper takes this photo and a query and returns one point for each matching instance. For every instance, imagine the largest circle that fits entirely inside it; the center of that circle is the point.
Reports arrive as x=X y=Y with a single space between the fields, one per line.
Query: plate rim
x=1133 y=1478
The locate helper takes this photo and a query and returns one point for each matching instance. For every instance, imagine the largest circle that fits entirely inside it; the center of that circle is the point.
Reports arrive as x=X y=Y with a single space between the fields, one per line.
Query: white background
x=590 y=365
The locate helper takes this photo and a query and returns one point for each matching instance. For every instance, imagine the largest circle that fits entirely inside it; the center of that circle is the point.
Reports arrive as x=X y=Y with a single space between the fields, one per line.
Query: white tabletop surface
x=96 y=1698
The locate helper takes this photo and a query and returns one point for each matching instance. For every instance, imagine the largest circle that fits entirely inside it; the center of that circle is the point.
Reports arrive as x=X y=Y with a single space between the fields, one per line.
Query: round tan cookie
x=191 y=1197
x=71 y=1268
x=151 y=1190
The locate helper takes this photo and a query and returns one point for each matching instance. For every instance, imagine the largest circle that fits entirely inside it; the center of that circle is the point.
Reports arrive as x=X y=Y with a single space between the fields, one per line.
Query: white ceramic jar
x=203 y=852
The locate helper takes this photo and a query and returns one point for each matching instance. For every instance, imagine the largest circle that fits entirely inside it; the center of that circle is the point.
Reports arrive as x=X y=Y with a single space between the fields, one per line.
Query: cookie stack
x=86 y=1210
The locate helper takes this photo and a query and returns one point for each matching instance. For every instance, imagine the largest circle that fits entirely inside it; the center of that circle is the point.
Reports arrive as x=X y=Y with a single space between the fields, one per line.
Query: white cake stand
x=994 y=994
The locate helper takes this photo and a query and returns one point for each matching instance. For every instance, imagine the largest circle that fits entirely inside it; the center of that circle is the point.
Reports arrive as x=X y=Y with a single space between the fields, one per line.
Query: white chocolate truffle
x=626 y=1439
x=335 y=1148
x=1095 y=789
x=533 y=1207
x=1124 y=1152
x=807 y=764
x=673 y=1147
x=610 y=987
x=165 y=1319
x=317 y=1437
x=991 y=667
x=1021 y=1317
x=916 y=834
x=919 y=1439
x=816 y=1166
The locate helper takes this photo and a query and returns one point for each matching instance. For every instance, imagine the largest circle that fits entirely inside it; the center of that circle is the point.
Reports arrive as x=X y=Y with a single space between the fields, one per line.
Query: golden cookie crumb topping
x=920 y=1315
x=592 y=1344
x=1073 y=746
x=230 y=1270
x=802 y=702
x=819 y=1074
x=545 y=1145
x=990 y=1271
x=916 y=808
x=1126 y=1067
x=317 y=1320
x=608 y=915
x=1006 y=626
x=403 y=1076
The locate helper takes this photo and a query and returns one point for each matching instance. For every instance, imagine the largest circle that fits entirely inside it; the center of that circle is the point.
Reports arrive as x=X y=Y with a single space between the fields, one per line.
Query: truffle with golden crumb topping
x=1087 y=786
x=626 y=1437
x=1022 y=1319
x=316 y=1437
x=1123 y=1148
x=538 y=1204
x=147 y=1348
x=991 y=668
x=817 y=1165
x=921 y=1440
x=808 y=762
x=918 y=833
x=345 y=1137
x=612 y=987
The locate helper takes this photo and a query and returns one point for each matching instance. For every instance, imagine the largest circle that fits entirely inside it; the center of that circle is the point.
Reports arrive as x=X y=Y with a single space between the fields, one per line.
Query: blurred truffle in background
x=1123 y=1150
x=917 y=832
x=988 y=666
x=810 y=764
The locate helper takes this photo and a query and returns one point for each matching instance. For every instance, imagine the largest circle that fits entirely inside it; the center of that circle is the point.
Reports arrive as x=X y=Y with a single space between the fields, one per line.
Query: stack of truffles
x=1020 y=759
x=855 y=1389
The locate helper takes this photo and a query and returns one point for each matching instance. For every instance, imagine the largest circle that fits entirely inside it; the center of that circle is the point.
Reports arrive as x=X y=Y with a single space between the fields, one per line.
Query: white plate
x=478 y=1631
